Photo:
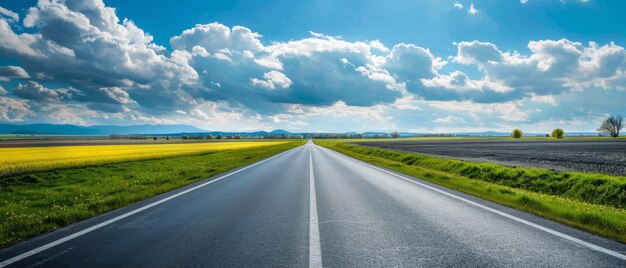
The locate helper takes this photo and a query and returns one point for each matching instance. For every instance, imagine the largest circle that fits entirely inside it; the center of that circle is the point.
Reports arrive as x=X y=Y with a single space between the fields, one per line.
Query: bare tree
x=612 y=125
x=395 y=134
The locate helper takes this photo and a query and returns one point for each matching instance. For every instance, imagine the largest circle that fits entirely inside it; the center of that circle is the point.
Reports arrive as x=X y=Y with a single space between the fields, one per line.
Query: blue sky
x=427 y=66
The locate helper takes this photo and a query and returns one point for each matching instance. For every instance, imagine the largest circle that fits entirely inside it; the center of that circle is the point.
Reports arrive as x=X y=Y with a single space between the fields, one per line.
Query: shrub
x=517 y=134
x=558 y=133
x=209 y=137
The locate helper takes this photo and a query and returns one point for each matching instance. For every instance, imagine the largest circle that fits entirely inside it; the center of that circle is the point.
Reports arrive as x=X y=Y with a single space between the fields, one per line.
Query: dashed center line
x=315 y=251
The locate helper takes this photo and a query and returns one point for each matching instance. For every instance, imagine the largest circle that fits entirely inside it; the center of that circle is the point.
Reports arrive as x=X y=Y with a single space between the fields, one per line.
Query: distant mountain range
x=158 y=130
x=66 y=129
x=95 y=130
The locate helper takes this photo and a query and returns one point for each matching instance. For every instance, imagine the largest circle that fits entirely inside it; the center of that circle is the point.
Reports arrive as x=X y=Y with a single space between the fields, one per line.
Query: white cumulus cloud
x=273 y=79
x=108 y=68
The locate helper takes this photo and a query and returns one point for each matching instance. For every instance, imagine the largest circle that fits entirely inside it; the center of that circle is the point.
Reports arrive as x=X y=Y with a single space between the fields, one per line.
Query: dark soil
x=592 y=156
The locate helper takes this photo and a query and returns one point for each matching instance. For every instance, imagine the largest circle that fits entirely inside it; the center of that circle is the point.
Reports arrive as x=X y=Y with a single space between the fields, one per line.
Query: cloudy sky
x=314 y=65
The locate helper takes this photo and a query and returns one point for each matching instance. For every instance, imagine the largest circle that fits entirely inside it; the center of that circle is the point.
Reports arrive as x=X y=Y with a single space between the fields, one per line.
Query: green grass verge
x=572 y=199
x=35 y=203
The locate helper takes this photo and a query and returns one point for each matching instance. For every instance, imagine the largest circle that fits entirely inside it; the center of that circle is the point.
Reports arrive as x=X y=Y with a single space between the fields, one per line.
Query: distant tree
x=547 y=135
x=154 y=138
x=558 y=133
x=184 y=137
x=237 y=137
x=167 y=138
x=517 y=133
x=395 y=134
x=612 y=125
x=209 y=137
x=219 y=137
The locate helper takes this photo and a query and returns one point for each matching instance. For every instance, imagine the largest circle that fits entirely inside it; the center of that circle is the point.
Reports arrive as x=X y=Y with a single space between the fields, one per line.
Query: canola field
x=28 y=159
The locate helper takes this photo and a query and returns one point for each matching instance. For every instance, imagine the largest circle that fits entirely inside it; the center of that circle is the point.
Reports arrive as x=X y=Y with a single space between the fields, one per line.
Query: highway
x=313 y=207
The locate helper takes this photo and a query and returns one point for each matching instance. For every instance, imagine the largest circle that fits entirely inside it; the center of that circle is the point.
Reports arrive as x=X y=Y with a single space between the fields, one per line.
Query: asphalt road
x=314 y=207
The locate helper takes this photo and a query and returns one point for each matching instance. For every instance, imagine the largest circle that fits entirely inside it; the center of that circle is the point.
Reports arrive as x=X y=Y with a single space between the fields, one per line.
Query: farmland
x=83 y=141
x=45 y=188
x=27 y=159
x=606 y=156
x=592 y=202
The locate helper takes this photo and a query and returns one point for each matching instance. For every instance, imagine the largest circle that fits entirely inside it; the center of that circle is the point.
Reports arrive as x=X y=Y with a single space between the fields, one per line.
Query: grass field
x=28 y=159
x=591 y=202
x=36 y=201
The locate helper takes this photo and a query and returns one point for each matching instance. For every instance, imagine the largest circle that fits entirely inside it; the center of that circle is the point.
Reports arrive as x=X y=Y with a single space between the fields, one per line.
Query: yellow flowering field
x=26 y=159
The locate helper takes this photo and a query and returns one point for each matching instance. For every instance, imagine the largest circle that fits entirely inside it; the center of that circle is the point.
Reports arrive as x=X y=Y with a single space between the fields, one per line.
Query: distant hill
x=95 y=130
x=280 y=131
x=177 y=130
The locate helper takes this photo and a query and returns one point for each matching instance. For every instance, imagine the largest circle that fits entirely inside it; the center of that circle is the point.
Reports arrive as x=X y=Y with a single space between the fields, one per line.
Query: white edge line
x=125 y=215
x=315 y=251
x=520 y=220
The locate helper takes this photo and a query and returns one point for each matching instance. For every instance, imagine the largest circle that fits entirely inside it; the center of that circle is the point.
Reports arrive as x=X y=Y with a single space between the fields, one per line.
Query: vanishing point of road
x=313 y=207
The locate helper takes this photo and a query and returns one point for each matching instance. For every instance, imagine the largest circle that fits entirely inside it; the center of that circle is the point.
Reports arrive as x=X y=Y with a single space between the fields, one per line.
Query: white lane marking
x=125 y=215
x=315 y=250
x=520 y=220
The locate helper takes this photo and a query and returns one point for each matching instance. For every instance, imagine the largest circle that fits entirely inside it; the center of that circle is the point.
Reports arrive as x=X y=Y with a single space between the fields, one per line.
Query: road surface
x=313 y=207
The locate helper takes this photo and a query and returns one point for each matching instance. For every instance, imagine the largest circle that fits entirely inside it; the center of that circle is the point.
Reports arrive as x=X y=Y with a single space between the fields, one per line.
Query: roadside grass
x=591 y=202
x=21 y=160
x=41 y=201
